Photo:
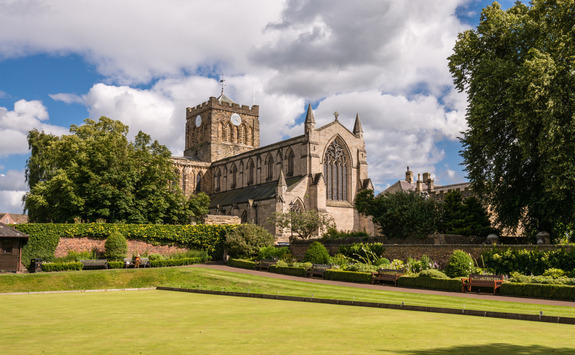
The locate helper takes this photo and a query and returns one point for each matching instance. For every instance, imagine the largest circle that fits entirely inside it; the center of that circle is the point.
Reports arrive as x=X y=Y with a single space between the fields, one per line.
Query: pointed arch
x=217 y=179
x=251 y=172
x=244 y=217
x=234 y=175
x=297 y=206
x=290 y=162
x=269 y=164
x=337 y=165
x=243 y=132
x=199 y=182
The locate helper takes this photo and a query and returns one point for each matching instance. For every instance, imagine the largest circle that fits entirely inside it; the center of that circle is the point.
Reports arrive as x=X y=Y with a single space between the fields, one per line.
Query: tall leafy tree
x=464 y=216
x=518 y=69
x=96 y=173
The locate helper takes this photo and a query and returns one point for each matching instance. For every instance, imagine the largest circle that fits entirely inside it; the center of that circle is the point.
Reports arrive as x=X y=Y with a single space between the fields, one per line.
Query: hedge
x=175 y=262
x=244 y=264
x=72 y=266
x=44 y=237
x=347 y=276
x=115 y=264
x=287 y=270
x=556 y=292
x=428 y=283
x=506 y=260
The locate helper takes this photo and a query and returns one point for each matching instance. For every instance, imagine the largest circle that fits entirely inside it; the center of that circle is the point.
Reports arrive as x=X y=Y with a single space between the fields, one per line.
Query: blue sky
x=143 y=62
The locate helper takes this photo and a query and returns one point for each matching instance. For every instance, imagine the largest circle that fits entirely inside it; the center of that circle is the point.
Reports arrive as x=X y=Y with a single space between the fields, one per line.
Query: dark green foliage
x=287 y=270
x=528 y=262
x=273 y=252
x=65 y=266
x=347 y=276
x=519 y=151
x=95 y=173
x=464 y=216
x=175 y=262
x=555 y=278
x=433 y=273
x=369 y=253
x=430 y=283
x=76 y=256
x=316 y=254
x=303 y=224
x=115 y=264
x=460 y=264
x=246 y=240
x=45 y=237
x=414 y=266
x=556 y=292
x=198 y=206
x=333 y=233
x=116 y=247
x=244 y=264
x=400 y=214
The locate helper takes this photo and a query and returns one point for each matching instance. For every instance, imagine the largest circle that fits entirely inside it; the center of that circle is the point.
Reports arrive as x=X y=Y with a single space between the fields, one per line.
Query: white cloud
x=12 y=189
x=67 y=98
x=11 y=201
x=14 y=126
x=13 y=180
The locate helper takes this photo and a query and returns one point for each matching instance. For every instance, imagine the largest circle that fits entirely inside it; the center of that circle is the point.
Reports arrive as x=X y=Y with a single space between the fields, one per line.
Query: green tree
x=303 y=224
x=246 y=240
x=96 y=173
x=464 y=216
x=116 y=246
x=199 y=206
x=400 y=214
x=517 y=68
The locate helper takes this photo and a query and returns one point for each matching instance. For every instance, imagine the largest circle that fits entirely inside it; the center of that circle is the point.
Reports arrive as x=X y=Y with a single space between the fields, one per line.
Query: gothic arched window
x=198 y=182
x=335 y=166
x=244 y=217
x=243 y=138
x=234 y=172
x=217 y=178
x=269 y=167
x=251 y=172
x=290 y=163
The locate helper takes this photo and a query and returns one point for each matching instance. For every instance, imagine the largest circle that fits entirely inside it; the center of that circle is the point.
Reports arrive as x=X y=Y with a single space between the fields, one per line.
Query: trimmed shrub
x=287 y=270
x=429 y=283
x=433 y=274
x=556 y=292
x=535 y=262
x=460 y=264
x=175 y=262
x=316 y=254
x=69 y=266
x=244 y=264
x=363 y=252
x=115 y=264
x=554 y=273
x=347 y=276
x=246 y=240
x=116 y=247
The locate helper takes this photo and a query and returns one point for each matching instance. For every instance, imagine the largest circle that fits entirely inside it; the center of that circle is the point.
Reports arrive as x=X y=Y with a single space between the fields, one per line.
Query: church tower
x=220 y=128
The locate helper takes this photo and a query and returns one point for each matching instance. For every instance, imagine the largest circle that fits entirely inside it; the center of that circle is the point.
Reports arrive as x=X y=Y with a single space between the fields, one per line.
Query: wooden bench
x=95 y=263
x=387 y=275
x=487 y=281
x=265 y=264
x=130 y=262
x=317 y=270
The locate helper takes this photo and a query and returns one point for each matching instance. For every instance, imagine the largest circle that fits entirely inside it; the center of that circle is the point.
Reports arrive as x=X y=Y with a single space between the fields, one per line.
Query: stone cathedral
x=322 y=169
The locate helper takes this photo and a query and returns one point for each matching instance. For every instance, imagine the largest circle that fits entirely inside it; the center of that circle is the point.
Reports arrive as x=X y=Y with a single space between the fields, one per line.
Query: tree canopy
x=518 y=69
x=303 y=224
x=465 y=216
x=95 y=173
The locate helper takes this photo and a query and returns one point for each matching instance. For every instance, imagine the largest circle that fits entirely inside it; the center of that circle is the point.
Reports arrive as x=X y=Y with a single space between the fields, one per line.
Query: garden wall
x=134 y=247
x=438 y=253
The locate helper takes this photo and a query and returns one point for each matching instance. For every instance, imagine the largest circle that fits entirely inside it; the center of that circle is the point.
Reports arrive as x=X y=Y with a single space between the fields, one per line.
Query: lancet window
x=336 y=167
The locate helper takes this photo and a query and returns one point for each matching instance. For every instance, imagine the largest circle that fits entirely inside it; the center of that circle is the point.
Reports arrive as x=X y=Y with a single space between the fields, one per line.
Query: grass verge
x=211 y=279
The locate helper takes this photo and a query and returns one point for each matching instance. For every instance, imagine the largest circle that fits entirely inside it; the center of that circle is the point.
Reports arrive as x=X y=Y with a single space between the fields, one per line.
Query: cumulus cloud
x=12 y=189
x=11 y=201
x=14 y=126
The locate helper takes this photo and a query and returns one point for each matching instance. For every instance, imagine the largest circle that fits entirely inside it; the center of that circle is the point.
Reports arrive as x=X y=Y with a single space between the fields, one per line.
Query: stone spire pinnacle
x=309 y=120
x=357 y=129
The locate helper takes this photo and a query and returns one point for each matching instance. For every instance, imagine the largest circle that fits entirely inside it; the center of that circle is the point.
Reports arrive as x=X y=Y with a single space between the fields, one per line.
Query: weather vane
x=222 y=82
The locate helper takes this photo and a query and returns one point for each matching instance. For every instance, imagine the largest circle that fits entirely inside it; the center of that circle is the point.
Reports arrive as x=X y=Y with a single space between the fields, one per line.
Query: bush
x=333 y=233
x=116 y=247
x=430 y=283
x=460 y=264
x=554 y=273
x=272 y=252
x=558 y=292
x=415 y=266
x=433 y=274
x=287 y=270
x=76 y=256
x=246 y=240
x=316 y=254
x=347 y=276
x=115 y=264
x=66 y=266
x=368 y=253
x=506 y=261
x=175 y=262
x=244 y=264
x=360 y=267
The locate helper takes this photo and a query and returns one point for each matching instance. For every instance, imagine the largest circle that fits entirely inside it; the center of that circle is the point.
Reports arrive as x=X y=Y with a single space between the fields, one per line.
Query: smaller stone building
x=11 y=243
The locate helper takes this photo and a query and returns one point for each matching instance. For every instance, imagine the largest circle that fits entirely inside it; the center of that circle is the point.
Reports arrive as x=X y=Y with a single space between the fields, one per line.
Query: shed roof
x=10 y=232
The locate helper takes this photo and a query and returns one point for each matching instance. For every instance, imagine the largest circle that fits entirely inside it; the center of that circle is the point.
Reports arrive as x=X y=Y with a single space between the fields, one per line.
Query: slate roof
x=256 y=192
x=6 y=231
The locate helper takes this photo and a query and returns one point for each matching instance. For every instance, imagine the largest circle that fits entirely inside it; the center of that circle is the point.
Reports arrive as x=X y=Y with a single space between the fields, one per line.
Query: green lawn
x=206 y=278
x=173 y=322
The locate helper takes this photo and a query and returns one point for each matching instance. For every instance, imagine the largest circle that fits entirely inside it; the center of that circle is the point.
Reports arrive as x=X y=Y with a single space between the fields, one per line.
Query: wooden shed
x=11 y=243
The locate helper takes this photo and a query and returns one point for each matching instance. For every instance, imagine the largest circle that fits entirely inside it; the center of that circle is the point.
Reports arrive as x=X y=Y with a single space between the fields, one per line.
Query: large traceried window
x=336 y=166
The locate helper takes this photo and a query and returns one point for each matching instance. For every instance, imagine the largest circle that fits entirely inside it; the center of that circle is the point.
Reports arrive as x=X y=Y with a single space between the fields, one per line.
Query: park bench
x=486 y=281
x=265 y=264
x=95 y=263
x=317 y=270
x=387 y=275
x=130 y=262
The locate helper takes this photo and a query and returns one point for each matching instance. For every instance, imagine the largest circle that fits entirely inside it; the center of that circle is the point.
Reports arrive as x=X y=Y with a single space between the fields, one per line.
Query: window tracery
x=336 y=167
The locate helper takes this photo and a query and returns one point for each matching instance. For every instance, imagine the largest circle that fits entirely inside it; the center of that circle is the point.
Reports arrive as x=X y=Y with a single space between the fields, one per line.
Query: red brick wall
x=134 y=247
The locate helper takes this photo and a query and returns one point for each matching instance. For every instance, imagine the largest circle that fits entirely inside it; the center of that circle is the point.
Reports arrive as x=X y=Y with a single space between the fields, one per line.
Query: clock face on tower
x=236 y=119
x=198 y=121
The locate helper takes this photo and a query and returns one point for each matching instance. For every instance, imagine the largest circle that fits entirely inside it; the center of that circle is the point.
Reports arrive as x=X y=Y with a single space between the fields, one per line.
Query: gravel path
x=483 y=296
